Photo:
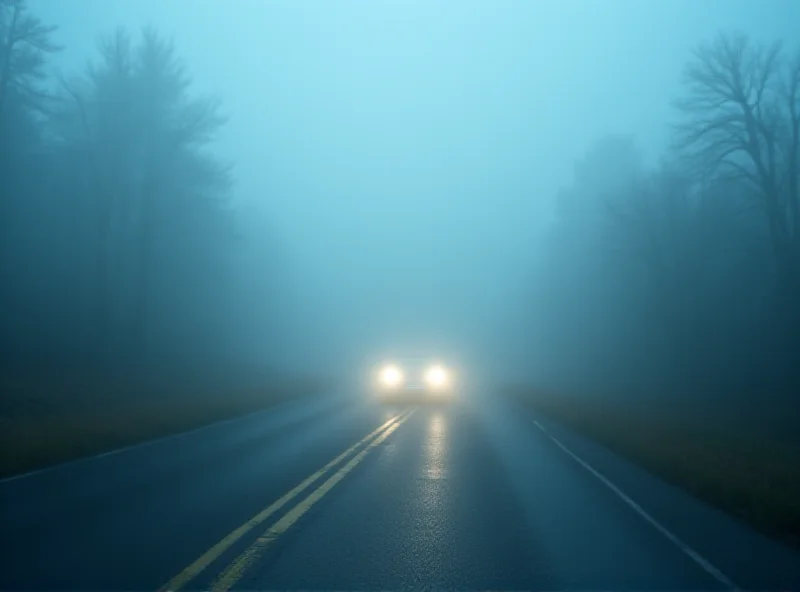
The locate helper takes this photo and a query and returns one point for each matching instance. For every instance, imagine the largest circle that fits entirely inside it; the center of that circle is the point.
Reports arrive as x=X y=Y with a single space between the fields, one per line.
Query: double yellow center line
x=237 y=568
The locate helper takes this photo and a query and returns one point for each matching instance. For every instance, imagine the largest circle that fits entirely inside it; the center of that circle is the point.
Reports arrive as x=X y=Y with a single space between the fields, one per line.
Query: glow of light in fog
x=391 y=375
x=437 y=376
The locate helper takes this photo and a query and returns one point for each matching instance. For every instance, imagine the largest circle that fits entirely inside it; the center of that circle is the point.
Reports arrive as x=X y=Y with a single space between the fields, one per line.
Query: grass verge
x=746 y=474
x=41 y=425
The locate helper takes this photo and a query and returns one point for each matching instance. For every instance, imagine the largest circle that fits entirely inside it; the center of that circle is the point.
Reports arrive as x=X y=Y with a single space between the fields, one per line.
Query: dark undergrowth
x=46 y=422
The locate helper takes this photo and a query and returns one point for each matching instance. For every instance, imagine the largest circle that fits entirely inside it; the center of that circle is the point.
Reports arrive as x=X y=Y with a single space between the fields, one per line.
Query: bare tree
x=741 y=119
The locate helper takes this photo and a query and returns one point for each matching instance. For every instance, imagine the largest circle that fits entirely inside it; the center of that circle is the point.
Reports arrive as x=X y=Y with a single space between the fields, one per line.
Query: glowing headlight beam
x=391 y=375
x=436 y=376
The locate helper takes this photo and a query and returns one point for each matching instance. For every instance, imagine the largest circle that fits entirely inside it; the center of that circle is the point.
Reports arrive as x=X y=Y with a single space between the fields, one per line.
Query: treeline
x=119 y=250
x=680 y=282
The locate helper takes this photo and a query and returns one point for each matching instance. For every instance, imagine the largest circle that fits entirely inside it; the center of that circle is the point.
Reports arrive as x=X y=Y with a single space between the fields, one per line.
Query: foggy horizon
x=406 y=156
x=377 y=295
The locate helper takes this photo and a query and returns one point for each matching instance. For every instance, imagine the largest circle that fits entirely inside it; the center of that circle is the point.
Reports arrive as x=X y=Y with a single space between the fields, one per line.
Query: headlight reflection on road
x=436 y=447
x=433 y=509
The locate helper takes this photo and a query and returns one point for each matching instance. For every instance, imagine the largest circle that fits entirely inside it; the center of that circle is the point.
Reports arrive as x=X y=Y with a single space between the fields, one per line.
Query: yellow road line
x=235 y=570
x=214 y=552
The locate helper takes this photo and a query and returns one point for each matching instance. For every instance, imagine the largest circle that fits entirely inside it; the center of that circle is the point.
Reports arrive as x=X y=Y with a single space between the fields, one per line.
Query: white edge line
x=694 y=555
x=130 y=447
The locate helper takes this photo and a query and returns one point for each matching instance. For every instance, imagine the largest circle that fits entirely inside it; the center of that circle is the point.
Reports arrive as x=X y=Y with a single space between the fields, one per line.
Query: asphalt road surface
x=341 y=494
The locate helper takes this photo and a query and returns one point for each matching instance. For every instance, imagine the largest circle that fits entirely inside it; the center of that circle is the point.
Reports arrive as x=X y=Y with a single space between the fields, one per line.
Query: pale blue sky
x=421 y=137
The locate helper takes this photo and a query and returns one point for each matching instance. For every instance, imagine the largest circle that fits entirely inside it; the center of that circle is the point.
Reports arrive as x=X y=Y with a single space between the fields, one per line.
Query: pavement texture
x=342 y=493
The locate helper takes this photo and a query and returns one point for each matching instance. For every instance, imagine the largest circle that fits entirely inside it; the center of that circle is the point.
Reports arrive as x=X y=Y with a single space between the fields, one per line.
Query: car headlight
x=390 y=376
x=437 y=377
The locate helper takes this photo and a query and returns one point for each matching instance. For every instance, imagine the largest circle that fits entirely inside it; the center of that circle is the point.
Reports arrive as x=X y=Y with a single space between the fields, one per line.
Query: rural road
x=337 y=493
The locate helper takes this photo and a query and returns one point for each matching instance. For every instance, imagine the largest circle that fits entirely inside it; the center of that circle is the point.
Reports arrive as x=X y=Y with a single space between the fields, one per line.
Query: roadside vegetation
x=670 y=283
x=125 y=271
x=46 y=423
x=676 y=278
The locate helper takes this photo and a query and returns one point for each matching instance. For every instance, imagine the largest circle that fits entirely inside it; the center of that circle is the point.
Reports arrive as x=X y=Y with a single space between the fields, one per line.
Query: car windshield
x=380 y=294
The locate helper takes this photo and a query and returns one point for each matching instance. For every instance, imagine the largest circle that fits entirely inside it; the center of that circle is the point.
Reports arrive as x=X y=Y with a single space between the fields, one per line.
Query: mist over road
x=210 y=207
x=339 y=492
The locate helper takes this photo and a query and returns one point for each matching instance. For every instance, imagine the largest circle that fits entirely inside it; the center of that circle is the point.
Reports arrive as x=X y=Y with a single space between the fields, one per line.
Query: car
x=413 y=379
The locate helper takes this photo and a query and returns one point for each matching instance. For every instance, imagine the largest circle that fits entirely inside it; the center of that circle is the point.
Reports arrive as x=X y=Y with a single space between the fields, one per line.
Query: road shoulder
x=749 y=558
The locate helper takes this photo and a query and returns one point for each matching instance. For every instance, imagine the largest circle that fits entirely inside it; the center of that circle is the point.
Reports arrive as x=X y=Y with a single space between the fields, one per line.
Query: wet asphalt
x=474 y=495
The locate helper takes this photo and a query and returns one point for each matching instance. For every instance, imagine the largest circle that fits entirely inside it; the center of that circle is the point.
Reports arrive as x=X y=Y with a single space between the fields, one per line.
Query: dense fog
x=599 y=197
